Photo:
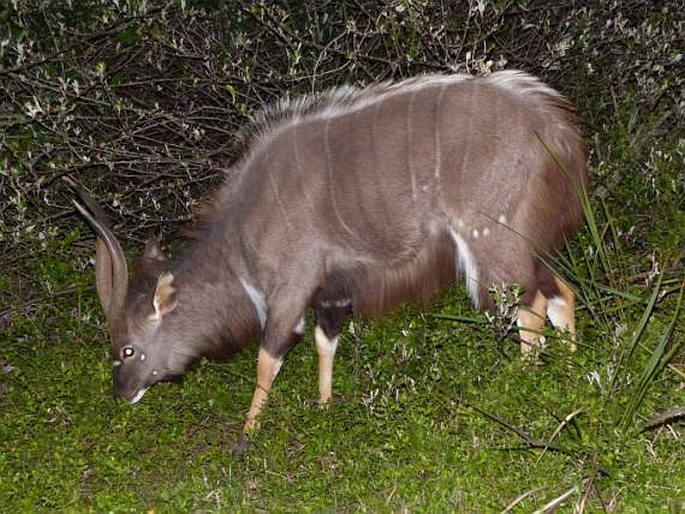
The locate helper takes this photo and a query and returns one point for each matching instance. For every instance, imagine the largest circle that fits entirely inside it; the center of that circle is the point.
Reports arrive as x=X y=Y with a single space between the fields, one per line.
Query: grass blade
x=639 y=330
x=656 y=364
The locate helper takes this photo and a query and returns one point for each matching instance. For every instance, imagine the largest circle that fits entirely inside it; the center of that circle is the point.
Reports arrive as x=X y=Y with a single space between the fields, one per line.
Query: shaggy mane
x=289 y=110
x=269 y=120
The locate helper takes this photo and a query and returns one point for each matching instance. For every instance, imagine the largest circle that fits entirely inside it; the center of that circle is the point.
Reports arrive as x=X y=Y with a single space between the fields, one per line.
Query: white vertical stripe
x=467 y=264
x=329 y=160
x=409 y=125
x=436 y=138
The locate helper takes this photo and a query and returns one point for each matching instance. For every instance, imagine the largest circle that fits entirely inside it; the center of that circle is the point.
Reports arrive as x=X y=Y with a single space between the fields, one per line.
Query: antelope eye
x=128 y=352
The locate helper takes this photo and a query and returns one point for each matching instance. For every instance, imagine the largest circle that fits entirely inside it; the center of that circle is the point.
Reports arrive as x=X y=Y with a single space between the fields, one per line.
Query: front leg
x=282 y=331
x=268 y=367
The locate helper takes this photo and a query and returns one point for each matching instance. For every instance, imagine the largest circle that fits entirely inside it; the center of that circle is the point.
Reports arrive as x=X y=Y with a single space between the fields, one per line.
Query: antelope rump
x=351 y=202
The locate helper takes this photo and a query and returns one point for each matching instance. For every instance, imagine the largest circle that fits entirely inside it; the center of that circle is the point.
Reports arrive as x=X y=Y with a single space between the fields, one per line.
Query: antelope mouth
x=139 y=394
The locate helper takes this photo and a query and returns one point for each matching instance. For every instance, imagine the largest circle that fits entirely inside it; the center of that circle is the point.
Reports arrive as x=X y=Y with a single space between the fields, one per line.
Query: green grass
x=432 y=411
x=428 y=415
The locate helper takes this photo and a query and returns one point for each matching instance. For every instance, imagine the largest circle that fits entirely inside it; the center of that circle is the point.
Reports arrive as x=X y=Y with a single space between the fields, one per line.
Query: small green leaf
x=117 y=79
x=127 y=36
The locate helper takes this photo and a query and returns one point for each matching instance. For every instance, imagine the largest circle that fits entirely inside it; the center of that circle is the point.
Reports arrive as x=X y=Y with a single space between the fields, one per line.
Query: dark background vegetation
x=144 y=102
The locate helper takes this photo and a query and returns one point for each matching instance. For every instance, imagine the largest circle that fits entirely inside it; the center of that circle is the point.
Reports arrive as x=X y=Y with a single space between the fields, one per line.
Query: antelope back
x=372 y=178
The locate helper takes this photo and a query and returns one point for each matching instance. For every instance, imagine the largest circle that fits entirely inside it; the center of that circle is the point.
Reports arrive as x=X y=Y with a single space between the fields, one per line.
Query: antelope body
x=352 y=202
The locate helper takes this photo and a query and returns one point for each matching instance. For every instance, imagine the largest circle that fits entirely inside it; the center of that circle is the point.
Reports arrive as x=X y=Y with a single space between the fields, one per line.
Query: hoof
x=242 y=445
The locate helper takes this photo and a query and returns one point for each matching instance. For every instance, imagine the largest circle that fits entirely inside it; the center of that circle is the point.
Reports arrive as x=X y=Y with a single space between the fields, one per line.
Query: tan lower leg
x=530 y=321
x=561 y=311
x=267 y=369
x=325 y=347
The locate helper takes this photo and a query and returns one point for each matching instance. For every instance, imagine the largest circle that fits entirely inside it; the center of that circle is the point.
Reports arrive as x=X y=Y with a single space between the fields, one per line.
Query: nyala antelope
x=351 y=202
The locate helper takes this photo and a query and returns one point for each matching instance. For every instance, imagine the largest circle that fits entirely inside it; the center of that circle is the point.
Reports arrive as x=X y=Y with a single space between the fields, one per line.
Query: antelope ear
x=152 y=250
x=165 y=299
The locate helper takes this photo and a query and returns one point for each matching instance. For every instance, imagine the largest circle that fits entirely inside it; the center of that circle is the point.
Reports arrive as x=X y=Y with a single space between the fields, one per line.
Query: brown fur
x=376 y=196
x=374 y=289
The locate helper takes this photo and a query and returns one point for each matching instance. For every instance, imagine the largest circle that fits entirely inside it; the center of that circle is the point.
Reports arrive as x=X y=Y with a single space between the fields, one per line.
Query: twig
x=86 y=39
x=556 y=502
x=530 y=442
x=664 y=418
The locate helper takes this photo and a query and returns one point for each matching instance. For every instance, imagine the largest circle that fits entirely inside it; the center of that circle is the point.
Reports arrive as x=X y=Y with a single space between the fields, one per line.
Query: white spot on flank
x=467 y=264
x=136 y=397
x=142 y=357
x=257 y=299
x=475 y=233
x=502 y=219
x=486 y=232
x=155 y=372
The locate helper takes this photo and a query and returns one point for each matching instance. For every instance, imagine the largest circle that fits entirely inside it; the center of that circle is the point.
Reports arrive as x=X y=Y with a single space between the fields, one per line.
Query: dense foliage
x=143 y=103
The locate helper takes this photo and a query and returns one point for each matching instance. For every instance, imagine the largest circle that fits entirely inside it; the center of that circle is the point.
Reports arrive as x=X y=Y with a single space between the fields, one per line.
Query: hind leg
x=325 y=347
x=561 y=311
x=531 y=319
x=330 y=316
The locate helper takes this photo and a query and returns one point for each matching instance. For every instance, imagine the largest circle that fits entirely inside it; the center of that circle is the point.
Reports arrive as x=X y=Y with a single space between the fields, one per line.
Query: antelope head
x=136 y=311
